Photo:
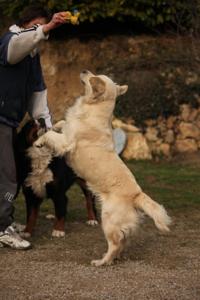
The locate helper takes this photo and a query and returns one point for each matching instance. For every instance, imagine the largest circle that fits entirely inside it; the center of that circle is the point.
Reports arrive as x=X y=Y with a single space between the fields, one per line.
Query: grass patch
x=171 y=184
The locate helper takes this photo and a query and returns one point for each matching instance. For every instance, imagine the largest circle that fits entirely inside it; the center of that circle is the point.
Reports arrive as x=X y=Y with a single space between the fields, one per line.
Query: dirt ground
x=154 y=266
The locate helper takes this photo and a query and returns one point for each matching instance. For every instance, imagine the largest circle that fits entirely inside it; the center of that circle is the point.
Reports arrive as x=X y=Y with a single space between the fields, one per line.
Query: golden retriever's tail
x=154 y=211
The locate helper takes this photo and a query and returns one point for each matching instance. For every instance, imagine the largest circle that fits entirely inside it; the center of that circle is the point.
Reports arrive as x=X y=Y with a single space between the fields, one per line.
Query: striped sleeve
x=22 y=43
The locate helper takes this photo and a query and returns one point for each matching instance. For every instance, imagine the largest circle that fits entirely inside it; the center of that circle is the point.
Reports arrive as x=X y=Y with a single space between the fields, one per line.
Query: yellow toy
x=72 y=18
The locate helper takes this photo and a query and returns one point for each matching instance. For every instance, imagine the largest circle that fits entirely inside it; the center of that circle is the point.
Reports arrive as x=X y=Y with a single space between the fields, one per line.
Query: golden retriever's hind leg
x=121 y=248
x=115 y=247
x=108 y=257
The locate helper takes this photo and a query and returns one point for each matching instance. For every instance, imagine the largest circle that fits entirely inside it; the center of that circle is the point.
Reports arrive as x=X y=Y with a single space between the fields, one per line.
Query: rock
x=187 y=145
x=197 y=121
x=197 y=97
x=165 y=149
x=170 y=122
x=193 y=115
x=162 y=126
x=192 y=78
x=185 y=111
x=169 y=137
x=151 y=134
x=188 y=130
x=150 y=122
x=154 y=147
x=158 y=148
x=137 y=147
x=158 y=142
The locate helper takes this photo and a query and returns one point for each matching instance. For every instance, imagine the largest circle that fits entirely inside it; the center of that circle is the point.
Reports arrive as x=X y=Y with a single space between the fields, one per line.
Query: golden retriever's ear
x=98 y=86
x=121 y=89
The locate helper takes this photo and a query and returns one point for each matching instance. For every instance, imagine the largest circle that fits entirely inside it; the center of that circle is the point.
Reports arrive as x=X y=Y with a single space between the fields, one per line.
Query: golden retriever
x=87 y=142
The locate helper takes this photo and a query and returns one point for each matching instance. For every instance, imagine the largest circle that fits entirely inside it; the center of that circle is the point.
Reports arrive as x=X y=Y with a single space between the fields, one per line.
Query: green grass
x=173 y=185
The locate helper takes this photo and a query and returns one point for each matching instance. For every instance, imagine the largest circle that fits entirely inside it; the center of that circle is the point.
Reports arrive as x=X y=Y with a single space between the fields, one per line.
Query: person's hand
x=57 y=20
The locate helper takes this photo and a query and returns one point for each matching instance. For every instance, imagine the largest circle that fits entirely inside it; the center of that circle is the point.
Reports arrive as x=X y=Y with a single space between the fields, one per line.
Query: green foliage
x=161 y=75
x=153 y=94
x=148 y=13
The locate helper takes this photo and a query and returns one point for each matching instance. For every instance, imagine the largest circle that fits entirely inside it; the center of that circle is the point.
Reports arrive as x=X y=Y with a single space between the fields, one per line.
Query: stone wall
x=163 y=136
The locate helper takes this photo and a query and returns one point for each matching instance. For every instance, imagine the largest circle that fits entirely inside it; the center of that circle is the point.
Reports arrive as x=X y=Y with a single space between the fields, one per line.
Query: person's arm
x=38 y=104
x=57 y=20
x=22 y=43
x=38 y=107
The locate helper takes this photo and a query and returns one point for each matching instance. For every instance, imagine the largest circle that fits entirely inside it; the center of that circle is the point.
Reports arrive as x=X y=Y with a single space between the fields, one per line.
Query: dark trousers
x=8 y=181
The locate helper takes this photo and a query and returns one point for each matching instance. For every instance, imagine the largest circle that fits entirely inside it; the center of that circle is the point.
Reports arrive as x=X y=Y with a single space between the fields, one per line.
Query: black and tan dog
x=63 y=179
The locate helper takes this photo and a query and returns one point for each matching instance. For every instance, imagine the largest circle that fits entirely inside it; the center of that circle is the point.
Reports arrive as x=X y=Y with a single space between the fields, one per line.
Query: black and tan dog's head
x=100 y=88
x=30 y=132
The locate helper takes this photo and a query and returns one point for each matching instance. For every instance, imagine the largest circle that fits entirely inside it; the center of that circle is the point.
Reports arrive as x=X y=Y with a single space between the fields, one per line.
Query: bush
x=164 y=75
x=152 y=94
x=149 y=13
